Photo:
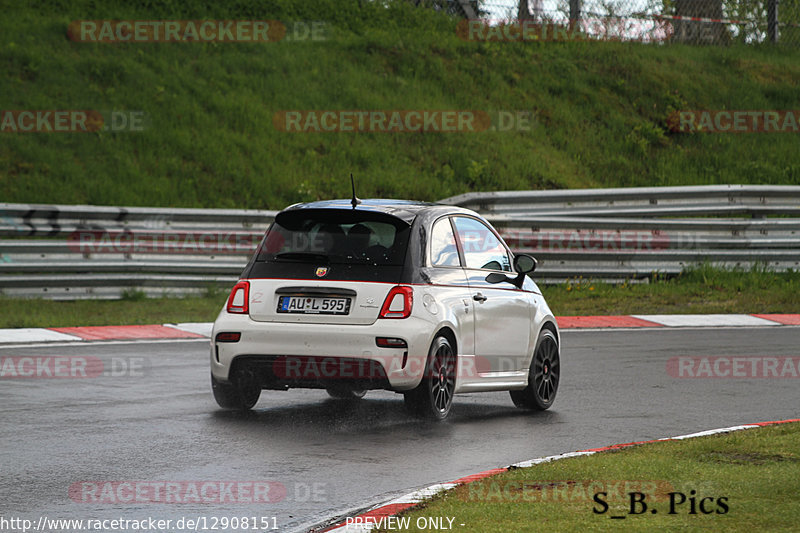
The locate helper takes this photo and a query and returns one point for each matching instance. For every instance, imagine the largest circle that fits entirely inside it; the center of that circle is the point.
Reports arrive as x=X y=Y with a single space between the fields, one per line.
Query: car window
x=443 y=244
x=352 y=241
x=482 y=248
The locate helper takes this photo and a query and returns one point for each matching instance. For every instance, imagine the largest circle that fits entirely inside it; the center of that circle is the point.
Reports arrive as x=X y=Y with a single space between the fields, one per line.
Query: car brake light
x=398 y=303
x=238 y=301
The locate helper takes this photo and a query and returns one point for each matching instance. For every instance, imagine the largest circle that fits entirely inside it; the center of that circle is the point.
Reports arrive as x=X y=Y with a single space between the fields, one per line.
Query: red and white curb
x=677 y=321
x=199 y=330
x=376 y=516
x=189 y=330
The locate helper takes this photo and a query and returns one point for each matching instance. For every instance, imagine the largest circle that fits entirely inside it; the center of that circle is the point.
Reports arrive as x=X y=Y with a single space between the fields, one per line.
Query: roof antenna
x=355 y=201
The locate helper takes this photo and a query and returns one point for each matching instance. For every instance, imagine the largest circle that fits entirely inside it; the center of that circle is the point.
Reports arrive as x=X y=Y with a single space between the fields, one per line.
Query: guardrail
x=71 y=252
x=756 y=200
x=56 y=220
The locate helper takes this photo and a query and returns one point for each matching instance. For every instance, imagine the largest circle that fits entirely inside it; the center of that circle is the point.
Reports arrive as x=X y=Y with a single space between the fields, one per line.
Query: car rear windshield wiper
x=301 y=256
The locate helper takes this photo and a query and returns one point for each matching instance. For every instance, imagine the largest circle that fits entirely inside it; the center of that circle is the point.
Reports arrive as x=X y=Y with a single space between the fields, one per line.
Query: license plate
x=314 y=305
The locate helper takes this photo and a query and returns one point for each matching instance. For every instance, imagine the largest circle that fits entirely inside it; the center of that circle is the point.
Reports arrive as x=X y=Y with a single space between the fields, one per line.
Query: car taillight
x=238 y=301
x=398 y=303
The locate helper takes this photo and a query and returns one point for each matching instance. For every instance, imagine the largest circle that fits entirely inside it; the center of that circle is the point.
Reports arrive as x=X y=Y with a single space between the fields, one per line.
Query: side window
x=443 y=244
x=482 y=248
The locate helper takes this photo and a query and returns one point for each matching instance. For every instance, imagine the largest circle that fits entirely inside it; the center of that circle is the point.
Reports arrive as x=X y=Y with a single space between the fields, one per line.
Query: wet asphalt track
x=165 y=426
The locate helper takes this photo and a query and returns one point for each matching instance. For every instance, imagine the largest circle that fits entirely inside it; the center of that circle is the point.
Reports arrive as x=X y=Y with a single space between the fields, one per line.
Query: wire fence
x=697 y=22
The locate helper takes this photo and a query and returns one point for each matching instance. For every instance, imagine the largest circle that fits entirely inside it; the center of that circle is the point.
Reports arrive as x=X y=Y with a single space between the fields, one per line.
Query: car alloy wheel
x=434 y=395
x=543 y=377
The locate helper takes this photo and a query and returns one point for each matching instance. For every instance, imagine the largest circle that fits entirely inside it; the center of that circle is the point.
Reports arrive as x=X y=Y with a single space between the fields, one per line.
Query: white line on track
x=100 y=343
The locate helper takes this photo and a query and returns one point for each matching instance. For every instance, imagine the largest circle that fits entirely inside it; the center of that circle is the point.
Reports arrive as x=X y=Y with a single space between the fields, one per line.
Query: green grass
x=757 y=471
x=702 y=290
x=16 y=313
x=600 y=109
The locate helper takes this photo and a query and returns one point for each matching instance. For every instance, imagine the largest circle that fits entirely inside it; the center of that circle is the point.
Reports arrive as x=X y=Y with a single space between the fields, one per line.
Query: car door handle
x=479 y=298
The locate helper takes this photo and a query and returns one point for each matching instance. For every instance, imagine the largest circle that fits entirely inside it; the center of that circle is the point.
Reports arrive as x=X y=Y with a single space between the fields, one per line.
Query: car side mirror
x=524 y=263
x=518 y=280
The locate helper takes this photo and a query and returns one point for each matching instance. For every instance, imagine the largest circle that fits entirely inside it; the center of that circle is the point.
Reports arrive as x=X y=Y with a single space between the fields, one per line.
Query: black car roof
x=405 y=210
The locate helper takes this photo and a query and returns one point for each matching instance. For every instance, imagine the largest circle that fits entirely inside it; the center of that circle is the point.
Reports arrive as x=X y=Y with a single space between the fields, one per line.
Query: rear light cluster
x=238 y=301
x=398 y=303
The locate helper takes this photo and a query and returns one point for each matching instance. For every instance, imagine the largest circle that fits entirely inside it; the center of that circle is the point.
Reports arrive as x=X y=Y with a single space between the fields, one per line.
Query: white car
x=421 y=299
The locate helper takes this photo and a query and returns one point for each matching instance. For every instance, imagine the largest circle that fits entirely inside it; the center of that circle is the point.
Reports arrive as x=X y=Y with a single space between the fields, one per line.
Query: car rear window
x=335 y=237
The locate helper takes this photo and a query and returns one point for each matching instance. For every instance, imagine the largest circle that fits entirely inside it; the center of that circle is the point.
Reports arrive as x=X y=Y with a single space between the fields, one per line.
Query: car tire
x=433 y=397
x=241 y=393
x=343 y=393
x=543 y=377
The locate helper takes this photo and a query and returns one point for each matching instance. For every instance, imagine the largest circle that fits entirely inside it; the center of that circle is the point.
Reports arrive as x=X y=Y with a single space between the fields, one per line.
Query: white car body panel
x=493 y=327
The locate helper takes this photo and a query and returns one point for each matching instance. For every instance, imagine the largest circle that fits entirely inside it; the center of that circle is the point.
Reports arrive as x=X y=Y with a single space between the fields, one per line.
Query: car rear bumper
x=286 y=355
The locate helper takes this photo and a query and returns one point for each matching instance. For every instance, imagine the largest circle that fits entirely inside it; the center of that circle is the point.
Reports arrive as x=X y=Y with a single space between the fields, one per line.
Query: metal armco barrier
x=71 y=252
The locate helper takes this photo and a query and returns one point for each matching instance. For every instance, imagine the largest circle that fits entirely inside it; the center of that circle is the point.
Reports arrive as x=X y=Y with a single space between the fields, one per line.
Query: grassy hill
x=600 y=108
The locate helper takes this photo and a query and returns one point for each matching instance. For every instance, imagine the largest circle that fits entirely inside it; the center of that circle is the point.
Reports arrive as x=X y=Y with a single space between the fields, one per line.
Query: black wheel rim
x=443 y=381
x=546 y=370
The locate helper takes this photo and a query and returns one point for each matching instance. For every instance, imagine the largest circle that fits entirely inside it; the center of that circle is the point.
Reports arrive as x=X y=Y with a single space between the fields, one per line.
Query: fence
x=717 y=22
x=71 y=252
